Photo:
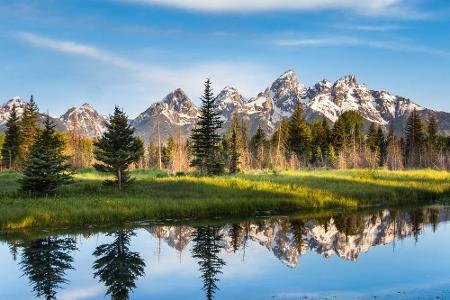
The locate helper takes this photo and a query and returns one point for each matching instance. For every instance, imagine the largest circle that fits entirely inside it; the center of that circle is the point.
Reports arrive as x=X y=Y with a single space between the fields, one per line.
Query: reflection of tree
x=299 y=231
x=117 y=266
x=45 y=262
x=206 y=250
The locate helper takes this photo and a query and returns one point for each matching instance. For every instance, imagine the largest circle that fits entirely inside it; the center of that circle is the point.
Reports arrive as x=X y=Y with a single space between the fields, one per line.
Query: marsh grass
x=156 y=195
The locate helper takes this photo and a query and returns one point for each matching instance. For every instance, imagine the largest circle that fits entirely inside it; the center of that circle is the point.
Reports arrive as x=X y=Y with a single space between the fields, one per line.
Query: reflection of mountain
x=346 y=236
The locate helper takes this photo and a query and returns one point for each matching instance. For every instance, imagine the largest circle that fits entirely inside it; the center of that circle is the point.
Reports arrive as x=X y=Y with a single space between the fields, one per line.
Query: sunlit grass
x=155 y=195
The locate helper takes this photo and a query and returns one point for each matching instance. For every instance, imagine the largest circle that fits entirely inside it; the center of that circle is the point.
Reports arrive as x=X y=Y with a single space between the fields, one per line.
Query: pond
x=386 y=253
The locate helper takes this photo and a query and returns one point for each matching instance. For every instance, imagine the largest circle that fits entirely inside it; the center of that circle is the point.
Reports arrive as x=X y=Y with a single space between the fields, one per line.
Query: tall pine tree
x=205 y=139
x=257 y=146
x=415 y=140
x=30 y=127
x=46 y=167
x=118 y=148
x=432 y=141
x=299 y=136
x=11 y=144
x=234 y=148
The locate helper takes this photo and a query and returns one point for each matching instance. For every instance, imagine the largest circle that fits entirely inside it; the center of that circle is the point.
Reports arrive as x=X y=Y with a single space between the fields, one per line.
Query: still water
x=393 y=254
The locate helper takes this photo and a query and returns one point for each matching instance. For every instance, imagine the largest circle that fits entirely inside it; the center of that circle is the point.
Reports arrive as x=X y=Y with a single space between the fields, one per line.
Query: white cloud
x=353 y=41
x=151 y=81
x=266 y=5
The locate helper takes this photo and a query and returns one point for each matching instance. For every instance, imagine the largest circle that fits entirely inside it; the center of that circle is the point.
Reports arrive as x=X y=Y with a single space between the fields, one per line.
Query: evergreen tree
x=11 y=144
x=45 y=262
x=46 y=167
x=168 y=153
x=415 y=140
x=234 y=149
x=257 y=146
x=381 y=144
x=372 y=138
x=206 y=250
x=432 y=141
x=30 y=127
x=394 y=157
x=205 y=139
x=117 y=266
x=299 y=136
x=321 y=134
x=118 y=148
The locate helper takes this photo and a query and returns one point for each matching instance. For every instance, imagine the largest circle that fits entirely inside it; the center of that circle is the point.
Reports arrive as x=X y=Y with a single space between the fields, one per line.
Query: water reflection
x=118 y=267
x=46 y=260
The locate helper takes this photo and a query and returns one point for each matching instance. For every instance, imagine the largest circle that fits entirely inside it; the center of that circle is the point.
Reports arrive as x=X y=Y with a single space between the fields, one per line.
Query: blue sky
x=133 y=52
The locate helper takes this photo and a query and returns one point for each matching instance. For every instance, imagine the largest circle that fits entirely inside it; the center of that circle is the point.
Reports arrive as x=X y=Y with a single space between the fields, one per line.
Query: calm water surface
x=393 y=254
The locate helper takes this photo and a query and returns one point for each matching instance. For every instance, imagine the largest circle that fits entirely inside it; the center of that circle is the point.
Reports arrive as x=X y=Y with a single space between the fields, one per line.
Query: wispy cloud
x=156 y=80
x=372 y=28
x=266 y=5
x=79 y=49
x=347 y=41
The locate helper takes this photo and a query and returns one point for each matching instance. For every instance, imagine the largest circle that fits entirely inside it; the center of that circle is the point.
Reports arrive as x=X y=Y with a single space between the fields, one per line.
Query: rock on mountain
x=90 y=123
x=88 y=120
x=176 y=111
x=5 y=110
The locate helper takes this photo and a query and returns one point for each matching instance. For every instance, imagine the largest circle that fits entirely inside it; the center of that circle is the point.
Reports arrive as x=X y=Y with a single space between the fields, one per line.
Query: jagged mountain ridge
x=90 y=122
x=177 y=112
x=323 y=99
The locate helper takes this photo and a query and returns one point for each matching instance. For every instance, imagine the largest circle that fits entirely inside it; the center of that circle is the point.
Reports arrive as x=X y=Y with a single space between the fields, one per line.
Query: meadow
x=157 y=196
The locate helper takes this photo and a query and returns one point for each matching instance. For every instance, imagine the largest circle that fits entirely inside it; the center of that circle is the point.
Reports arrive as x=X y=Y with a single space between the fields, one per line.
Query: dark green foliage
x=205 y=141
x=320 y=144
x=46 y=167
x=381 y=144
x=372 y=138
x=118 y=148
x=234 y=149
x=45 y=262
x=30 y=127
x=432 y=142
x=167 y=153
x=11 y=144
x=415 y=140
x=207 y=247
x=299 y=136
x=118 y=267
x=348 y=126
x=257 y=145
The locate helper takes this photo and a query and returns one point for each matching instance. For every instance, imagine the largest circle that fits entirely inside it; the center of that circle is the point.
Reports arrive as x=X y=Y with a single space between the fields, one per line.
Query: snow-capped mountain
x=176 y=111
x=5 y=110
x=88 y=121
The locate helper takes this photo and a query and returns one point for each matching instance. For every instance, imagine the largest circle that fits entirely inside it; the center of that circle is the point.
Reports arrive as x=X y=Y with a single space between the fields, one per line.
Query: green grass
x=155 y=195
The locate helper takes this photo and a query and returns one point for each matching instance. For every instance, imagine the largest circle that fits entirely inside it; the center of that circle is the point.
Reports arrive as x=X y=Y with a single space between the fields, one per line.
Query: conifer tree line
x=33 y=147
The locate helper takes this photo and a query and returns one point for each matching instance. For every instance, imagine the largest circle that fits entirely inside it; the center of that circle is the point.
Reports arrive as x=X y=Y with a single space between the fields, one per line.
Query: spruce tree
x=299 y=136
x=118 y=148
x=30 y=127
x=46 y=167
x=257 y=145
x=432 y=141
x=372 y=138
x=11 y=144
x=415 y=140
x=381 y=144
x=205 y=139
x=234 y=151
